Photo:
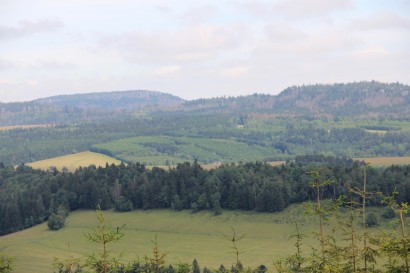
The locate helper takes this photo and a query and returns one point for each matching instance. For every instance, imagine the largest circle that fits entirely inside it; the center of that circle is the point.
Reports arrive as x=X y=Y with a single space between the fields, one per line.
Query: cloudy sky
x=198 y=49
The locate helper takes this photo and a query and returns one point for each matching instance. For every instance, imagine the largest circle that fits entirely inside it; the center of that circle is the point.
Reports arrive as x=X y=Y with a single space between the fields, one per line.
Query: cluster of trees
x=29 y=197
x=353 y=142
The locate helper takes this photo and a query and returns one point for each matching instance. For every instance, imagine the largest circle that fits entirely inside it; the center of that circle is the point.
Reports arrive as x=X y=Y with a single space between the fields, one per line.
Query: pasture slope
x=74 y=161
x=183 y=235
x=386 y=161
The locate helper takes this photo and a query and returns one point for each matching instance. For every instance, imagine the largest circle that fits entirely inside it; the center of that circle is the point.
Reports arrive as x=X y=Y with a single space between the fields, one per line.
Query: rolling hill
x=359 y=99
x=116 y=100
x=65 y=109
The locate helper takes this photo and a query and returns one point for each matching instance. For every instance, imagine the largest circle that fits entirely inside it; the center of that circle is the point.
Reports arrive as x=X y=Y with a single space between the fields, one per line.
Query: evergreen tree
x=195 y=267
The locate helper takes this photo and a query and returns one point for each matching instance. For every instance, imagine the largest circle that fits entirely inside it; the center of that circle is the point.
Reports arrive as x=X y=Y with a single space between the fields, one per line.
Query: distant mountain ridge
x=359 y=99
x=129 y=100
x=65 y=109
x=362 y=99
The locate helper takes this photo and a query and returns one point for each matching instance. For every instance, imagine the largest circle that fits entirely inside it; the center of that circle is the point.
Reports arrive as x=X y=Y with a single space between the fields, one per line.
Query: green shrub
x=55 y=221
x=372 y=220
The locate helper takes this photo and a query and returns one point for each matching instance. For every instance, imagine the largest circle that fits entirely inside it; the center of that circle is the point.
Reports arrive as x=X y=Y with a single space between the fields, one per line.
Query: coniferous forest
x=29 y=197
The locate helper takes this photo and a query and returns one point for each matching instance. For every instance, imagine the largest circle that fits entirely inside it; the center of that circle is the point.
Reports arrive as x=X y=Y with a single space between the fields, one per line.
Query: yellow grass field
x=73 y=161
x=11 y=127
x=386 y=161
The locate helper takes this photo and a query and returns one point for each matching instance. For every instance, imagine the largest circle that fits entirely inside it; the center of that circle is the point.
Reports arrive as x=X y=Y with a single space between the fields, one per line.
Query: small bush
x=372 y=220
x=6 y=265
x=55 y=221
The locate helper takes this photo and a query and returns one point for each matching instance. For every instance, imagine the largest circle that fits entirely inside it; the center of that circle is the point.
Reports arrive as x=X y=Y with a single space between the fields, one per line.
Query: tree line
x=29 y=197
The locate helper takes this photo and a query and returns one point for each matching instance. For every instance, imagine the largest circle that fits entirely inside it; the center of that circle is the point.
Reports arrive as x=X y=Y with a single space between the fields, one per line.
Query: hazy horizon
x=199 y=49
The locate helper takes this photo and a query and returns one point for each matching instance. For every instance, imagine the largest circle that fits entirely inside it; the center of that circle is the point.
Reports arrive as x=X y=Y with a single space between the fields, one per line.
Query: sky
x=198 y=49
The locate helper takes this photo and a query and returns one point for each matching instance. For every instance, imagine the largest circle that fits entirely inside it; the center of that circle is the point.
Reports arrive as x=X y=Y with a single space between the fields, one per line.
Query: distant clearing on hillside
x=386 y=161
x=166 y=150
x=11 y=127
x=74 y=161
x=379 y=132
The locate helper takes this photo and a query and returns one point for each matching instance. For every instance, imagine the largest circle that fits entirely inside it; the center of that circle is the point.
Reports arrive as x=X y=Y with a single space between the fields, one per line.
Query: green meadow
x=183 y=235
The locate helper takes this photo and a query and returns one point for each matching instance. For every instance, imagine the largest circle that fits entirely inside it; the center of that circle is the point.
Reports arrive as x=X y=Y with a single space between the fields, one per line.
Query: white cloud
x=293 y=9
x=5 y=65
x=198 y=15
x=163 y=70
x=29 y=27
x=4 y=82
x=301 y=9
x=293 y=44
x=189 y=44
x=53 y=65
x=371 y=52
x=32 y=82
x=386 y=20
x=280 y=32
x=236 y=71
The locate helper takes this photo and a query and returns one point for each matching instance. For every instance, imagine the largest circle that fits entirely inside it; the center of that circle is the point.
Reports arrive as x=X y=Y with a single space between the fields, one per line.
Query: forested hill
x=362 y=99
x=117 y=100
x=66 y=109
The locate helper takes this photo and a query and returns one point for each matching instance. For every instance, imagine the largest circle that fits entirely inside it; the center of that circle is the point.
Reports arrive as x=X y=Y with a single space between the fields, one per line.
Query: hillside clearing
x=74 y=161
x=166 y=150
x=12 y=127
x=385 y=161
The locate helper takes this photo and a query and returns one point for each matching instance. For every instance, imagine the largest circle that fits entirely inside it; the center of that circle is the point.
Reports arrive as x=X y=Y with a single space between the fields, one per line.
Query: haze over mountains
x=362 y=99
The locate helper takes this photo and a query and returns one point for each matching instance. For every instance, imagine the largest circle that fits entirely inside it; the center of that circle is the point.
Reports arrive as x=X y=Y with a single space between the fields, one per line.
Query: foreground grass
x=183 y=235
x=74 y=161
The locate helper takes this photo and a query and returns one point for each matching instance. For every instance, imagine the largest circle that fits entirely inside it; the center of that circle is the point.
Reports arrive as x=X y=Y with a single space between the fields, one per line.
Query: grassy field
x=73 y=161
x=386 y=161
x=183 y=235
